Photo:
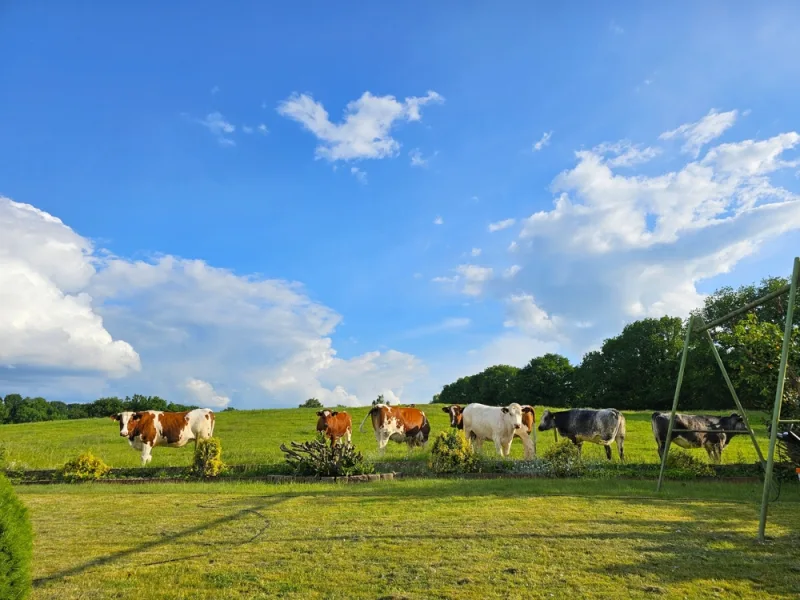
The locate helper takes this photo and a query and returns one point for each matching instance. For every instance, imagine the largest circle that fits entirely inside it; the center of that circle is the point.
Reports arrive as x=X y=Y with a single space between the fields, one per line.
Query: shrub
x=564 y=459
x=452 y=453
x=208 y=458
x=317 y=457
x=16 y=545
x=311 y=403
x=688 y=464
x=87 y=467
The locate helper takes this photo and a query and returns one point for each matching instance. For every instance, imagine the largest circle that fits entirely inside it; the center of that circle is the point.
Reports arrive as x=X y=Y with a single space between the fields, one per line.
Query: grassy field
x=411 y=539
x=254 y=437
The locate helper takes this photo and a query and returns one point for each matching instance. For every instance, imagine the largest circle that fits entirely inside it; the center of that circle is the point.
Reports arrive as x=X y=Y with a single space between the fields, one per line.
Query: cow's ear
x=735 y=416
x=136 y=416
x=319 y=413
x=445 y=409
x=505 y=409
x=115 y=417
x=334 y=413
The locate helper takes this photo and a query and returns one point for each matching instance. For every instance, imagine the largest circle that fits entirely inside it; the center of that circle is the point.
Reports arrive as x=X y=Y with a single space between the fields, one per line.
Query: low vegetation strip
x=411 y=539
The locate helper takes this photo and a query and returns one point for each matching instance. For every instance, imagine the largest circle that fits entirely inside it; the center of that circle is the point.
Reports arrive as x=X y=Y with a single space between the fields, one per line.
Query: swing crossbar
x=755 y=303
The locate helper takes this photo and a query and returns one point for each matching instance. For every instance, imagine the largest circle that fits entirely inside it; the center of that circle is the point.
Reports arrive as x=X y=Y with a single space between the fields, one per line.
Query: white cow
x=498 y=424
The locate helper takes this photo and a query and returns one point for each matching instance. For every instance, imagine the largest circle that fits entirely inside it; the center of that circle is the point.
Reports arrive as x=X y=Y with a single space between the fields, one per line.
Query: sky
x=249 y=205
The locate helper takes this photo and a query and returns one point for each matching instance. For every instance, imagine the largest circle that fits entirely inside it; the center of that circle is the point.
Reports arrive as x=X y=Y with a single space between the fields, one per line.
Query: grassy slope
x=411 y=539
x=252 y=437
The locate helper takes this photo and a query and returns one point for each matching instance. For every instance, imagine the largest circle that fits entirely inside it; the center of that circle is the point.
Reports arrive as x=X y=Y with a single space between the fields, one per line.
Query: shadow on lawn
x=253 y=509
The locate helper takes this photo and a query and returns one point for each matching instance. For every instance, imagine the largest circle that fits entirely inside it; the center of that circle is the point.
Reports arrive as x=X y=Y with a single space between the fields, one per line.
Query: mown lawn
x=254 y=437
x=412 y=539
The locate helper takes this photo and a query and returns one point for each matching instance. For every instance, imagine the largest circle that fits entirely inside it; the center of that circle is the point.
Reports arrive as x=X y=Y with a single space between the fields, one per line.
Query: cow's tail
x=367 y=416
x=621 y=430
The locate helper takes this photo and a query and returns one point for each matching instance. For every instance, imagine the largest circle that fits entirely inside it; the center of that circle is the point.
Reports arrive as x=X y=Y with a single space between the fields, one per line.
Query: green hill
x=254 y=437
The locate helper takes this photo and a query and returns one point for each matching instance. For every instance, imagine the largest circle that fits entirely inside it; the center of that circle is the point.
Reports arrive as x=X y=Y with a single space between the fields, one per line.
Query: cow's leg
x=348 y=436
x=608 y=450
x=578 y=444
x=146 y=456
x=506 y=448
x=621 y=448
x=528 y=447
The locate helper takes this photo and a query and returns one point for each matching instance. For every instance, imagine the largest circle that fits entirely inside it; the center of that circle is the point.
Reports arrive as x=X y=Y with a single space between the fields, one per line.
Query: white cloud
x=543 y=141
x=626 y=154
x=359 y=174
x=219 y=127
x=639 y=244
x=204 y=394
x=475 y=252
x=513 y=246
x=474 y=278
x=247 y=129
x=438 y=221
x=65 y=310
x=46 y=316
x=511 y=271
x=366 y=128
x=416 y=158
x=262 y=129
x=499 y=225
x=707 y=129
x=525 y=315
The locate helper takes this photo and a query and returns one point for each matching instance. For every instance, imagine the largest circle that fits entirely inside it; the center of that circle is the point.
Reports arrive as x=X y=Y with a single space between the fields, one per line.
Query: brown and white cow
x=335 y=425
x=409 y=425
x=146 y=429
x=528 y=419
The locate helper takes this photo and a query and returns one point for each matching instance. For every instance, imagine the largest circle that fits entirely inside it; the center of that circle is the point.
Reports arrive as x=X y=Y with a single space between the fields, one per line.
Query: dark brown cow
x=335 y=425
x=409 y=425
x=149 y=428
x=528 y=419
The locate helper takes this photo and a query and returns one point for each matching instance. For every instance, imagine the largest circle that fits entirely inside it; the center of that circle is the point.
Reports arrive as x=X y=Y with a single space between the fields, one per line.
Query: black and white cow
x=713 y=443
x=604 y=427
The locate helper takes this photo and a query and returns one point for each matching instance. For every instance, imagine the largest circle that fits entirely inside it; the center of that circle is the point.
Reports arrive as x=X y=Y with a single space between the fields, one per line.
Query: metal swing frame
x=697 y=325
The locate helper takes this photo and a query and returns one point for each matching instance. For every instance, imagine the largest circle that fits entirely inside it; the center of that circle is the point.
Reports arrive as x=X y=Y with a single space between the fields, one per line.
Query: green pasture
x=420 y=539
x=254 y=437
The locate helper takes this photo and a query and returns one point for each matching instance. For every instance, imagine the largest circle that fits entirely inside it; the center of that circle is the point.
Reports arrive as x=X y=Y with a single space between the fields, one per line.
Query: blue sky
x=193 y=132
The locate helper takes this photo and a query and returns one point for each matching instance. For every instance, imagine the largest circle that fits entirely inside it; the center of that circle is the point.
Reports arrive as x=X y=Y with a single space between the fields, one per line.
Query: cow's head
x=734 y=422
x=455 y=411
x=324 y=415
x=513 y=412
x=528 y=416
x=127 y=422
x=548 y=421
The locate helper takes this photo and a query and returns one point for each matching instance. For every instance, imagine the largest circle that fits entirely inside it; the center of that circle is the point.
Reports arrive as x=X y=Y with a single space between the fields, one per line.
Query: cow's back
x=482 y=420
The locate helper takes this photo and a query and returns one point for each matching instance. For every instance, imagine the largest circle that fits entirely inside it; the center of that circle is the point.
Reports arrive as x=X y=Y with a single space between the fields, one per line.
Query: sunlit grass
x=411 y=539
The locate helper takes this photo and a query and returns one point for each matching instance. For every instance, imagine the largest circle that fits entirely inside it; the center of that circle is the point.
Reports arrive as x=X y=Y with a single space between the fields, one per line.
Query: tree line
x=638 y=369
x=16 y=409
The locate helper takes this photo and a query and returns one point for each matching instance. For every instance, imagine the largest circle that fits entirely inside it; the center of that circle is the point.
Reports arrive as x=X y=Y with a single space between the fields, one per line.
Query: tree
x=105 y=407
x=311 y=403
x=380 y=400
x=497 y=385
x=547 y=380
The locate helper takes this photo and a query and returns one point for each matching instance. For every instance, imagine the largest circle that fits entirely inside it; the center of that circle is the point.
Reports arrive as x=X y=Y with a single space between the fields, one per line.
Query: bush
x=688 y=464
x=311 y=403
x=452 y=453
x=208 y=458
x=87 y=467
x=564 y=459
x=319 y=458
x=16 y=545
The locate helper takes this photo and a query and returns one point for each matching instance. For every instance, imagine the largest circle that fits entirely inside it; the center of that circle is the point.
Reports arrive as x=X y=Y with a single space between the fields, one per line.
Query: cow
x=455 y=411
x=409 y=425
x=711 y=441
x=146 y=429
x=604 y=427
x=497 y=423
x=335 y=425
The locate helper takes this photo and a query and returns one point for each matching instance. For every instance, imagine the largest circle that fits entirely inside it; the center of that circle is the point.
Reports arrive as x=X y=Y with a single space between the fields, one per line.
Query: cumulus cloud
x=500 y=225
x=169 y=326
x=365 y=131
x=46 y=316
x=438 y=221
x=698 y=134
x=475 y=252
x=204 y=394
x=359 y=174
x=638 y=244
x=416 y=158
